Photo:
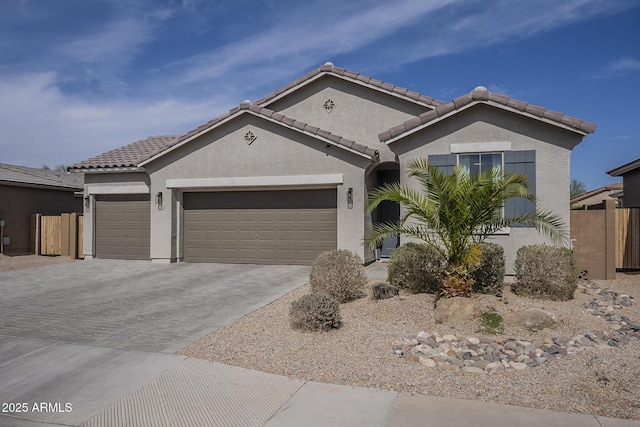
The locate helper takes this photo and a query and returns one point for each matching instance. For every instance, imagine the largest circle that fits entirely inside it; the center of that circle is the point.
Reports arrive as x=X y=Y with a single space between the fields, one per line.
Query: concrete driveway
x=136 y=305
x=75 y=338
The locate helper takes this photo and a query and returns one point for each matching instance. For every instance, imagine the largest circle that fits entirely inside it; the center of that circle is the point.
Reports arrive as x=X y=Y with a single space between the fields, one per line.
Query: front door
x=388 y=211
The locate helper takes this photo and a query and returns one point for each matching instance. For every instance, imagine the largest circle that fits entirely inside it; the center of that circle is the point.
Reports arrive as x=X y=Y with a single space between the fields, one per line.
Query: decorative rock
x=518 y=365
x=532 y=318
x=428 y=362
x=473 y=370
x=475 y=355
x=456 y=309
x=494 y=367
x=451 y=368
x=384 y=291
x=423 y=337
x=423 y=348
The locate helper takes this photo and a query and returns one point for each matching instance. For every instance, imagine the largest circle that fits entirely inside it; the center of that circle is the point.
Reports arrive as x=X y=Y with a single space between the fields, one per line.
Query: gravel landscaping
x=594 y=368
x=19 y=262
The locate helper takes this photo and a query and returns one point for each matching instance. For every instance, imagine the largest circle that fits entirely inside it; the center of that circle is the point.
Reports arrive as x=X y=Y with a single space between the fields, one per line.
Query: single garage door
x=261 y=227
x=122 y=226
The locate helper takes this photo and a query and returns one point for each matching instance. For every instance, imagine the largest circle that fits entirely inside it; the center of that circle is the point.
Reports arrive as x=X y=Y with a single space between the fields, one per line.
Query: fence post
x=65 y=232
x=610 y=236
x=73 y=235
x=35 y=234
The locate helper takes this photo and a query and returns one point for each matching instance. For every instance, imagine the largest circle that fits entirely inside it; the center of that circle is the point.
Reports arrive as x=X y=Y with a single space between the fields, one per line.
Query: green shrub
x=340 y=274
x=416 y=268
x=546 y=272
x=315 y=311
x=492 y=322
x=489 y=278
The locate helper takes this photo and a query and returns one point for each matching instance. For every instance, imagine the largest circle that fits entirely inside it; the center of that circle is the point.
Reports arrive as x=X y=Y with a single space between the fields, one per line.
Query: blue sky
x=80 y=77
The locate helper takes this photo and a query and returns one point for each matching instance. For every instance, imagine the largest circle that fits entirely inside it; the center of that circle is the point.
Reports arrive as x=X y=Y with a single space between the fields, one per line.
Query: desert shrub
x=338 y=273
x=315 y=311
x=546 y=272
x=416 y=268
x=489 y=278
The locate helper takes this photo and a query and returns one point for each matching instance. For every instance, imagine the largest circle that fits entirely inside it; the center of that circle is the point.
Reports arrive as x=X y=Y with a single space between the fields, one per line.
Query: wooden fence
x=58 y=234
x=628 y=238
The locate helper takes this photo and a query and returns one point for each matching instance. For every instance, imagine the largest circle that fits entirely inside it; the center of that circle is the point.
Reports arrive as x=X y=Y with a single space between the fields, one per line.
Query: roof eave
x=372 y=157
x=621 y=170
x=115 y=169
x=40 y=186
x=474 y=103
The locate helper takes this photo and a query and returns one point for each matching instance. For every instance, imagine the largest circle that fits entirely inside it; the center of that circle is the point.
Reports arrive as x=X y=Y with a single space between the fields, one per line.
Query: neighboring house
x=283 y=178
x=597 y=196
x=25 y=191
x=630 y=174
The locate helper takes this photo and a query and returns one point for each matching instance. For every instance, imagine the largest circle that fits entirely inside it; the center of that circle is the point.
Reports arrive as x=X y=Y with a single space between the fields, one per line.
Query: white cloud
x=309 y=32
x=428 y=28
x=618 y=68
x=40 y=125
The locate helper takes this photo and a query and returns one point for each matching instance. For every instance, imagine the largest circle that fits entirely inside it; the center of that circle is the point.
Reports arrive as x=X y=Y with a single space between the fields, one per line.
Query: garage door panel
x=122 y=224
x=292 y=227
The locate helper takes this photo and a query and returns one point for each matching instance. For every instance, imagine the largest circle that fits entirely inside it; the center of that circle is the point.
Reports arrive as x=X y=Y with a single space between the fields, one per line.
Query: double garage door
x=261 y=227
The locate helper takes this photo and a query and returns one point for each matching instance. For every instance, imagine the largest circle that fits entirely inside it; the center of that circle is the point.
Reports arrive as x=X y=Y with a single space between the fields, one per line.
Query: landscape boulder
x=456 y=309
x=535 y=319
x=384 y=291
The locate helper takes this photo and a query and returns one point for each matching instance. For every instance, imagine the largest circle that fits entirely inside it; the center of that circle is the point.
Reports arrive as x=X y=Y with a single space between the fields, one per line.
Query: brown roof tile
x=481 y=94
x=329 y=68
x=135 y=154
x=130 y=155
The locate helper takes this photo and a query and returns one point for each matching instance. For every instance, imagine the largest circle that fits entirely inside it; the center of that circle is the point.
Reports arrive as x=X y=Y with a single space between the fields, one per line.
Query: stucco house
x=630 y=173
x=597 y=196
x=25 y=191
x=283 y=178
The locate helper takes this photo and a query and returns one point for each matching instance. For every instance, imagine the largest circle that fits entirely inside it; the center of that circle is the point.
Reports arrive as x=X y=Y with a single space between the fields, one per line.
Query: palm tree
x=454 y=213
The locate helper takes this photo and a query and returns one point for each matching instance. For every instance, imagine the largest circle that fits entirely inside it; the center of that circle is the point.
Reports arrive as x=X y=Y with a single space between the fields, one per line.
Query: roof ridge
x=329 y=68
x=482 y=95
x=285 y=120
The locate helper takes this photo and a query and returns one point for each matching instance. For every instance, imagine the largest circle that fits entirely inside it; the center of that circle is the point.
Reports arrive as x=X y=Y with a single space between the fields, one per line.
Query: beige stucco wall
x=486 y=124
x=277 y=151
x=360 y=113
x=107 y=183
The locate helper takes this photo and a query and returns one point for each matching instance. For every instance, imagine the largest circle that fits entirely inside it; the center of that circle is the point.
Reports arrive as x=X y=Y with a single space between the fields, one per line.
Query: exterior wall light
x=87 y=202
x=159 y=200
x=350 y=198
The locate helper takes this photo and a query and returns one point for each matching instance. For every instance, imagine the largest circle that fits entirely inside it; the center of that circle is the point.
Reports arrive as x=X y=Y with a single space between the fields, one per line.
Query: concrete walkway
x=46 y=382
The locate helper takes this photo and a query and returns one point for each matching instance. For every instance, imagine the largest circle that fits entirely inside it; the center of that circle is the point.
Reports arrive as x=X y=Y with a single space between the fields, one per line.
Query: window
x=482 y=156
x=478 y=163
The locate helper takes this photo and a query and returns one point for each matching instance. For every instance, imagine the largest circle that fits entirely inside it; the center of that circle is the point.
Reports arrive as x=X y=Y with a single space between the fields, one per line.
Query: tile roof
x=613 y=188
x=138 y=153
x=289 y=122
x=483 y=95
x=130 y=155
x=343 y=73
x=32 y=177
x=627 y=167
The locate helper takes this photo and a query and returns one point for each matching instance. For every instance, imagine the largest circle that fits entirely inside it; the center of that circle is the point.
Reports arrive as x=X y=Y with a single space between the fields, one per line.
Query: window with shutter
x=521 y=162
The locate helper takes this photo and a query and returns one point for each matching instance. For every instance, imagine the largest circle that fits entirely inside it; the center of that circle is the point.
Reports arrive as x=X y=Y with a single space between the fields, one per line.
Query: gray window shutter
x=446 y=162
x=522 y=163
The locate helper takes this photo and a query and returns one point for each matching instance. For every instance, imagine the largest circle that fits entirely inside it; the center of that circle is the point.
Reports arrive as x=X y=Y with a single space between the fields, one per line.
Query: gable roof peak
x=342 y=73
x=482 y=95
